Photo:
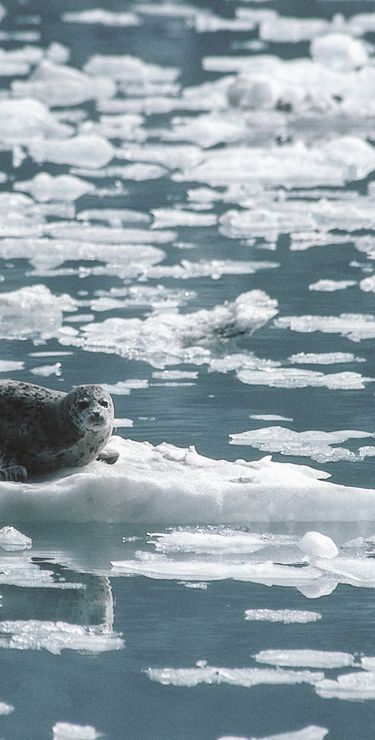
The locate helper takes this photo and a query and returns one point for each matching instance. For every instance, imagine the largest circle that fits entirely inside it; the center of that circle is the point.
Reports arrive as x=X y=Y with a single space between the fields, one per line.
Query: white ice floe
x=19 y=570
x=355 y=326
x=11 y=366
x=33 y=313
x=34 y=634
x=122 y=423
x=317 y=545
x=284 y=377
x=28 y=120
x=45 y=371
x=12 y=539
x=44 y=187
x=339 y=51
x=312 y=732
x=359 y=686
x=305 y=658
x=68 y=731
x=208 y=541
x=172 y=485
x=368 y=284
x=59 y=85
x=5 y=708
x=314 y=444
x=215 y=269
x=177 y=217
x=101 y=17
x=247 y=677
x=270 y=417
x=323 y=358
x=124 y=387
x=329 y=286
x=171 y=338
x=285 y=616
x=127 y=68
x=86 y=150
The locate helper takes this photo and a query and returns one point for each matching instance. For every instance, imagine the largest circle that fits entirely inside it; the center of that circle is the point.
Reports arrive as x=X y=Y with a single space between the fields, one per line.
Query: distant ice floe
x=305 y=658
x=354 y=326
x=170 y=338
x=5 y=708
x=323 y=358
x=12 y=539
x=329 y=286
x=284 y=377
x=68 y=731
x=44 y=187
x=246 y=677
x=314 y=444
x=128 y=69
x=54 y=637
x=60 y=85
x=101 y=17
x=29 y=120
x=312 y=732
x=172 y=485
x=284 y=616
x=85 y=150
x=33 y=312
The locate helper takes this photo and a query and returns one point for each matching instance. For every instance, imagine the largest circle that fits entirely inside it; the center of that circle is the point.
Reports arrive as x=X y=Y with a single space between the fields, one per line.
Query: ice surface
x=172 y=485
x=170 y=338
x=270 y=417
x=128 y=69
x=33 y=312
x=44 y=187
x=315 y=544
x=178 y=217
x=354 y=326
x=339 y=51
x=54 y=637
x=22 y=121
x=286 y=616
x=59 y=85
x=11 y=539
x=314 y=444
x=224 y=542
x=247 y=677
x=358 y=686
x=305 y=658
x=101 y=17
x=67 y=731
x=86 y=150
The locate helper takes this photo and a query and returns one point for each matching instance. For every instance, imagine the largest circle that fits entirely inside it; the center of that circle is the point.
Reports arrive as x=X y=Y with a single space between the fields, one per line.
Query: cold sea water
x=187 y=217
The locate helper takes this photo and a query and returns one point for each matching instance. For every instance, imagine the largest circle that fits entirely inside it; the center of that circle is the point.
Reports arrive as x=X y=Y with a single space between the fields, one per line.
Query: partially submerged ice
x=173 y=485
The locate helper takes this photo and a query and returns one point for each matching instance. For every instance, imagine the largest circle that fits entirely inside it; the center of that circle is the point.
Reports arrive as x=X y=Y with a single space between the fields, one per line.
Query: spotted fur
x=42 y=430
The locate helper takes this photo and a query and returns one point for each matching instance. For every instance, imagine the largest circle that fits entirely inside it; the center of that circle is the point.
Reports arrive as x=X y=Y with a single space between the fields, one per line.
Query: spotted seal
x=42 y=430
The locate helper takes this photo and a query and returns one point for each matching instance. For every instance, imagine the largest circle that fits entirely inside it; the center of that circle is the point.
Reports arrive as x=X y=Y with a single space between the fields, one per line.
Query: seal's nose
x=96 y=416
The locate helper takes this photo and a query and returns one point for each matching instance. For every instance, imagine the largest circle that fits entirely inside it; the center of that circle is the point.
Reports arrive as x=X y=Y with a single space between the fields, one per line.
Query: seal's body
x=43 y=430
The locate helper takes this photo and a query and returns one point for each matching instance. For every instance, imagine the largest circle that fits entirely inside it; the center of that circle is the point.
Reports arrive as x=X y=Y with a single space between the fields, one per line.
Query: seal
x=43 y=430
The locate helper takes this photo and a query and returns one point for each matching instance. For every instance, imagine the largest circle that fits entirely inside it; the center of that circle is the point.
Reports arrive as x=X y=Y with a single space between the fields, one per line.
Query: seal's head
x=90 y=409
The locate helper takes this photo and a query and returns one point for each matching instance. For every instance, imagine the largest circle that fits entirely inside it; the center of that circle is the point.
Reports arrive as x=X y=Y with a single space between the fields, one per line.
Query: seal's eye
x=104 y=403
x=84 y=404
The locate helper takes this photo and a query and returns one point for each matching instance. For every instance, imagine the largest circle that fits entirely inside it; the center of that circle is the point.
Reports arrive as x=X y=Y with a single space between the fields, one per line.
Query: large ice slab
x=173 y=485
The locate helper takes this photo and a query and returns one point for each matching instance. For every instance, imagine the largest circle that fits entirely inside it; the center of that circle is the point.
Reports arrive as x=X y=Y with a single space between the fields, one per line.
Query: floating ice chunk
x=174 y=486
x=106 y=235
x=312 y=732
x=329 y=286
x=178 y=217
x=172 y=156
x=171 y=338
x=314 y=444
x=87 y=150
x=292 y=30
x=227 y=541
x=339 y=51
x=47 y=370
x=142 y=296
x=305 y=658
x=122 y=423
x=286 y=616
x=284 y=377
x=207 y=22
x=323 y=358
x=128 y=69
x=354 y=326
x=317 y=545
x=21 y=121
x=252 y=93
x=101 y=17
x=234 y=676
x=57 y=636
x=12 y=539
x=114 y=216
x=11 y=366
x=207 y=130
x=5 y=708
x=124 y=387
x=359 y=686
x=368 y=284
x=67 y=731
x=214 y=269
x=199 y=585
x=175 y=374
x=355 y=571
x=44 y=187
x=59 y=85
x=32 y=312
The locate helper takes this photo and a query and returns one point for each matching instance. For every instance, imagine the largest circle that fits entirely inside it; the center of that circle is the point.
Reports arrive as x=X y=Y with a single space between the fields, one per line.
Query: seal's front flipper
x=16 y=473
x=109 y=456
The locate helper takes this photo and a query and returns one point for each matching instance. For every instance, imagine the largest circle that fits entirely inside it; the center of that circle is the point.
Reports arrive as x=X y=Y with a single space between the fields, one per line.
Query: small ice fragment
x=101 y=17
x=46 y=370
x=67 y=731
x=286 y=616
x=12 y=539
x=270 y=417
x=339 y=51
x=317 y=545
x=5 y=708
x=120 y=423
x=323 y=358
x=329 y=286
x=201 y=585
x=305 y=658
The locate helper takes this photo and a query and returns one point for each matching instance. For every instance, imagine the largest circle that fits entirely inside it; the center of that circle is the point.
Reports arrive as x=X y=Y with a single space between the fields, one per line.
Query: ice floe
x=312 y=732
x=234 y=676
x=44 y=187
x=54 y=637
x=339 y=51
x=69 y=731
x=5 y=708
x=28 y=120
x=329 y=286
x=12 y=539
x=172 y=485
x=305 y=658
x=59 y=85
x=314 y=444
x=33 y=312
x=285 y=616
x=323 y=358
x=85 y=150
x=101 y=17
x=359 y=686
x=354 y=326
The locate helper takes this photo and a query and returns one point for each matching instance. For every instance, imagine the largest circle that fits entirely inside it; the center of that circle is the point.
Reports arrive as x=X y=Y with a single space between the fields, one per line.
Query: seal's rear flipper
x=109 y=456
